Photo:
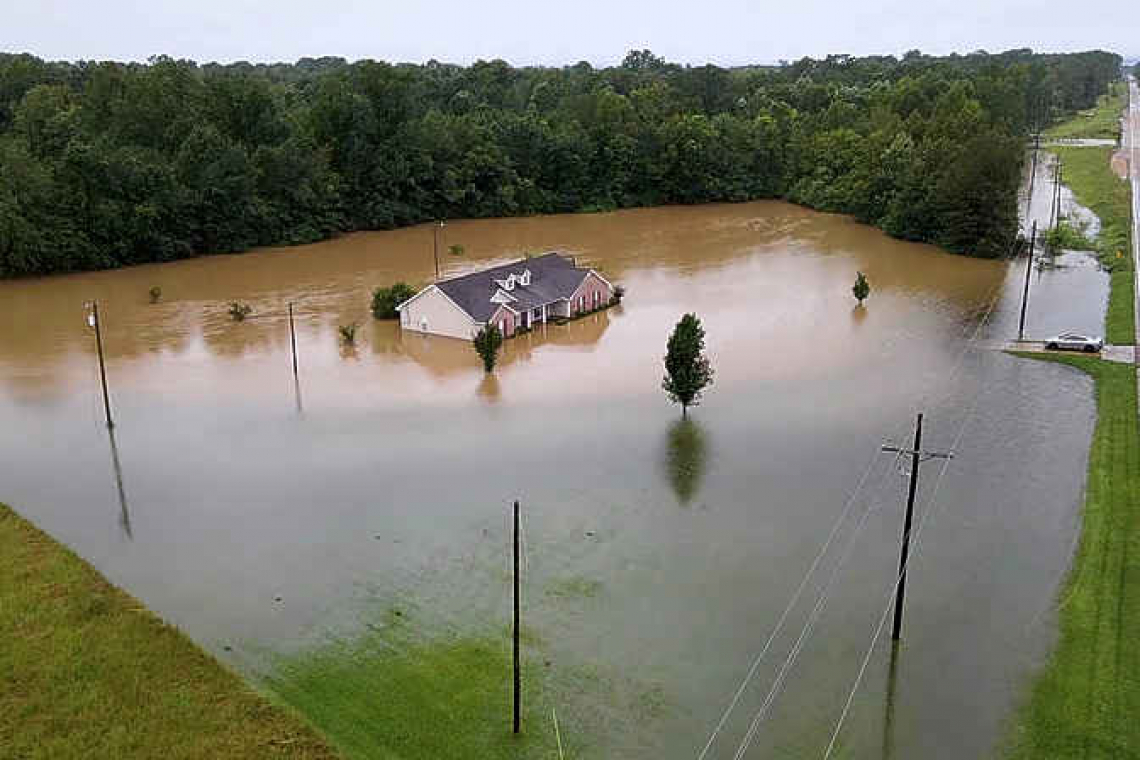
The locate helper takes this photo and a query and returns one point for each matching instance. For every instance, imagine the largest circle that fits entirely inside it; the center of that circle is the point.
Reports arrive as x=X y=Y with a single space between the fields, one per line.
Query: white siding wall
x=441 y=316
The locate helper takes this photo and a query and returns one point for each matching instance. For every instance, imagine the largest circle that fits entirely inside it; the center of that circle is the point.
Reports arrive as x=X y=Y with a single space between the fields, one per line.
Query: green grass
x=87 y=672
x=1086 y=702
x=398 y=692
x=1088 y=173
x=1100 y=122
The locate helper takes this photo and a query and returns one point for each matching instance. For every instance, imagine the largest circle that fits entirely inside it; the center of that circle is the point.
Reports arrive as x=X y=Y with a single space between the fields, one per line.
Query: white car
x=1074 y=342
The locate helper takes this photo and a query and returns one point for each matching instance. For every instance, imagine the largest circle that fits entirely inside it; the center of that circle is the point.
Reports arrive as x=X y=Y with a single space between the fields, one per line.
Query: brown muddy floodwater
x=387 y=473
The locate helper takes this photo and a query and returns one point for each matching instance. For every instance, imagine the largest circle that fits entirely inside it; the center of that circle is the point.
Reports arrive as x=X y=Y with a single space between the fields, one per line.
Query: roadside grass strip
x=1100 y=122
x=87 y=672
x=1085 y=703
x=1088 y=174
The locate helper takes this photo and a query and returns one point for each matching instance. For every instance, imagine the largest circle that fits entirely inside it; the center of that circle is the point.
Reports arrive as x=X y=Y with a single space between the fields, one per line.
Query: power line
x=995 y=297
x=790 y=606
x=805 y=632
x=928 y=514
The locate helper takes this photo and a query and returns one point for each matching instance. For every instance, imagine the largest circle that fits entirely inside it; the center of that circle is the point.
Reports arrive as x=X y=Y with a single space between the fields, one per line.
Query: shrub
x=348 y=334
x=487 y=343
x=239 y=311
x=619 y=293
x=861 y=289
x=385 y=300
x=456 y=249
x=155 y=294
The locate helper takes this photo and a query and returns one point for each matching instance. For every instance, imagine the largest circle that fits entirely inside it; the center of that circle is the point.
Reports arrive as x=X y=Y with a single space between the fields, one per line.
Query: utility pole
x=1055 y=207
x=517 y=674
x=1032 y=174
x=293 y=339
x=93 y=321
x=438 y=230
x=917 y=457
x=1025 y=292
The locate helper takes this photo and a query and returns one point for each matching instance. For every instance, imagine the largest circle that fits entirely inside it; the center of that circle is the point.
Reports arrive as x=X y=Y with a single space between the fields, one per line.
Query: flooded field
x=263 y=516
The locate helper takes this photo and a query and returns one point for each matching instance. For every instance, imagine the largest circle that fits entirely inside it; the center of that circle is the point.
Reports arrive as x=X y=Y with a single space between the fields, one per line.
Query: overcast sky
x=558 y=32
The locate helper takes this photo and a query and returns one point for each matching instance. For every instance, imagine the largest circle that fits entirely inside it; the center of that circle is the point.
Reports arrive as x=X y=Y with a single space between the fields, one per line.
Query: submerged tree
x=687 y=370
x=155 y=294
x=239 y=311
x=385 y=300
x=348 y=333
x=861 y=289
x=487 y=343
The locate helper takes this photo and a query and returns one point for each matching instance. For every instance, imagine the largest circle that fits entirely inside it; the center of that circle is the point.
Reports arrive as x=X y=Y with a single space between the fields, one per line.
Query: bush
x=456 y=249
x=619 y=293
x=1067 y=237
x=348 y=334
x=861 y=289
x=239 y=311
x=385 y=300
x=155 y=294
x=487 y=343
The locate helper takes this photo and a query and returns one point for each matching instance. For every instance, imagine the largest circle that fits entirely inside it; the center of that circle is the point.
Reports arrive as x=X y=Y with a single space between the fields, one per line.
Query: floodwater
x=256 y=513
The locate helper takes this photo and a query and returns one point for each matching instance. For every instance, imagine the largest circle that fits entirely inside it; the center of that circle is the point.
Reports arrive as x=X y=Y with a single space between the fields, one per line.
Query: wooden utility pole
x=1025 y=291
x=102 y=364
x=1055 y=207
x=1032 y=174
x=917 y=457
x=517 y=673
x=293 y=339
x=438 y=230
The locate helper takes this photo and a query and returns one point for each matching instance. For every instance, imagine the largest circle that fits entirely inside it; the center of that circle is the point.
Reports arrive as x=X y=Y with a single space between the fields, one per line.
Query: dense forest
x=109 y=164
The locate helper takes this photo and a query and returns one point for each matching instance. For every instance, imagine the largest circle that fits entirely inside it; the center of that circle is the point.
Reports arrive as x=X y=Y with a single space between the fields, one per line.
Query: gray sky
x=725 y=32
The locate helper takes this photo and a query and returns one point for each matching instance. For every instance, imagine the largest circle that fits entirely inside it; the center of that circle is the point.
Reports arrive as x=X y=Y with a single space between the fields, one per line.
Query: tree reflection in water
x=686 y=457
x=489 y=389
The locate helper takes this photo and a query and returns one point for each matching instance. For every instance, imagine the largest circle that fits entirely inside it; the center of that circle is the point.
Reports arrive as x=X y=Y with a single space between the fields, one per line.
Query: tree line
x=107 y=164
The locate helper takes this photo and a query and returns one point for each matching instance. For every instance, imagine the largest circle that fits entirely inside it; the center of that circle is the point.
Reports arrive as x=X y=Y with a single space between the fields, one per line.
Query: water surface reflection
x=411 y=441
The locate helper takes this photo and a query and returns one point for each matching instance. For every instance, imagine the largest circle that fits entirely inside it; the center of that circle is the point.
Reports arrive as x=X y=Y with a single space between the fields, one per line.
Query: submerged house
x=512 y=296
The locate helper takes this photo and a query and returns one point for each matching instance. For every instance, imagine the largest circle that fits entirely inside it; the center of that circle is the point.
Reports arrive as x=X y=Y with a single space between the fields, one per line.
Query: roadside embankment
x=1085 y=701
x=86 y=671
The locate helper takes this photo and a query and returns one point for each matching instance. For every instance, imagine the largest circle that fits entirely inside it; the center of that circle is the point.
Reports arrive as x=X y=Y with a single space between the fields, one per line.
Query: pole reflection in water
x=889 y=716
x=124 y=513
x=297 y=395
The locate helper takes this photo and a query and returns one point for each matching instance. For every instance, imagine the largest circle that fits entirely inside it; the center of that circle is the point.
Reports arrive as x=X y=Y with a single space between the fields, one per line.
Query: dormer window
x=524 y=278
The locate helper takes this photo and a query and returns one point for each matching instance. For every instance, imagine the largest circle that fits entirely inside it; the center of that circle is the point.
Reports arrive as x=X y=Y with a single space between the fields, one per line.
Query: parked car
x=1074 y=342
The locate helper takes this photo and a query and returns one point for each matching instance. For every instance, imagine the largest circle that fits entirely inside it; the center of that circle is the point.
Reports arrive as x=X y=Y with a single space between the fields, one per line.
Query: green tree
x=687 y=370
x=487 y=343
x=861 y=289
x=385 y=300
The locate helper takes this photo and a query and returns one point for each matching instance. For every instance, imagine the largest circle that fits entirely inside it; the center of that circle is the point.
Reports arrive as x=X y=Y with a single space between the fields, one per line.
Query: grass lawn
x=87 y=672
x=402 y=692
x=1102 y=121
x=1086 y=702
x=1087 y=172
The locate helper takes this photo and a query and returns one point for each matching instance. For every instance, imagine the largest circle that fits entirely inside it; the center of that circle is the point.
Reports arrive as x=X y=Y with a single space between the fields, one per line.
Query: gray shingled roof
x=552 y=277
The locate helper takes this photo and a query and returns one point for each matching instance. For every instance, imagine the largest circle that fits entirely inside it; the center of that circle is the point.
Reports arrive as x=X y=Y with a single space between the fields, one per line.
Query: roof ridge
x=490 y=270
